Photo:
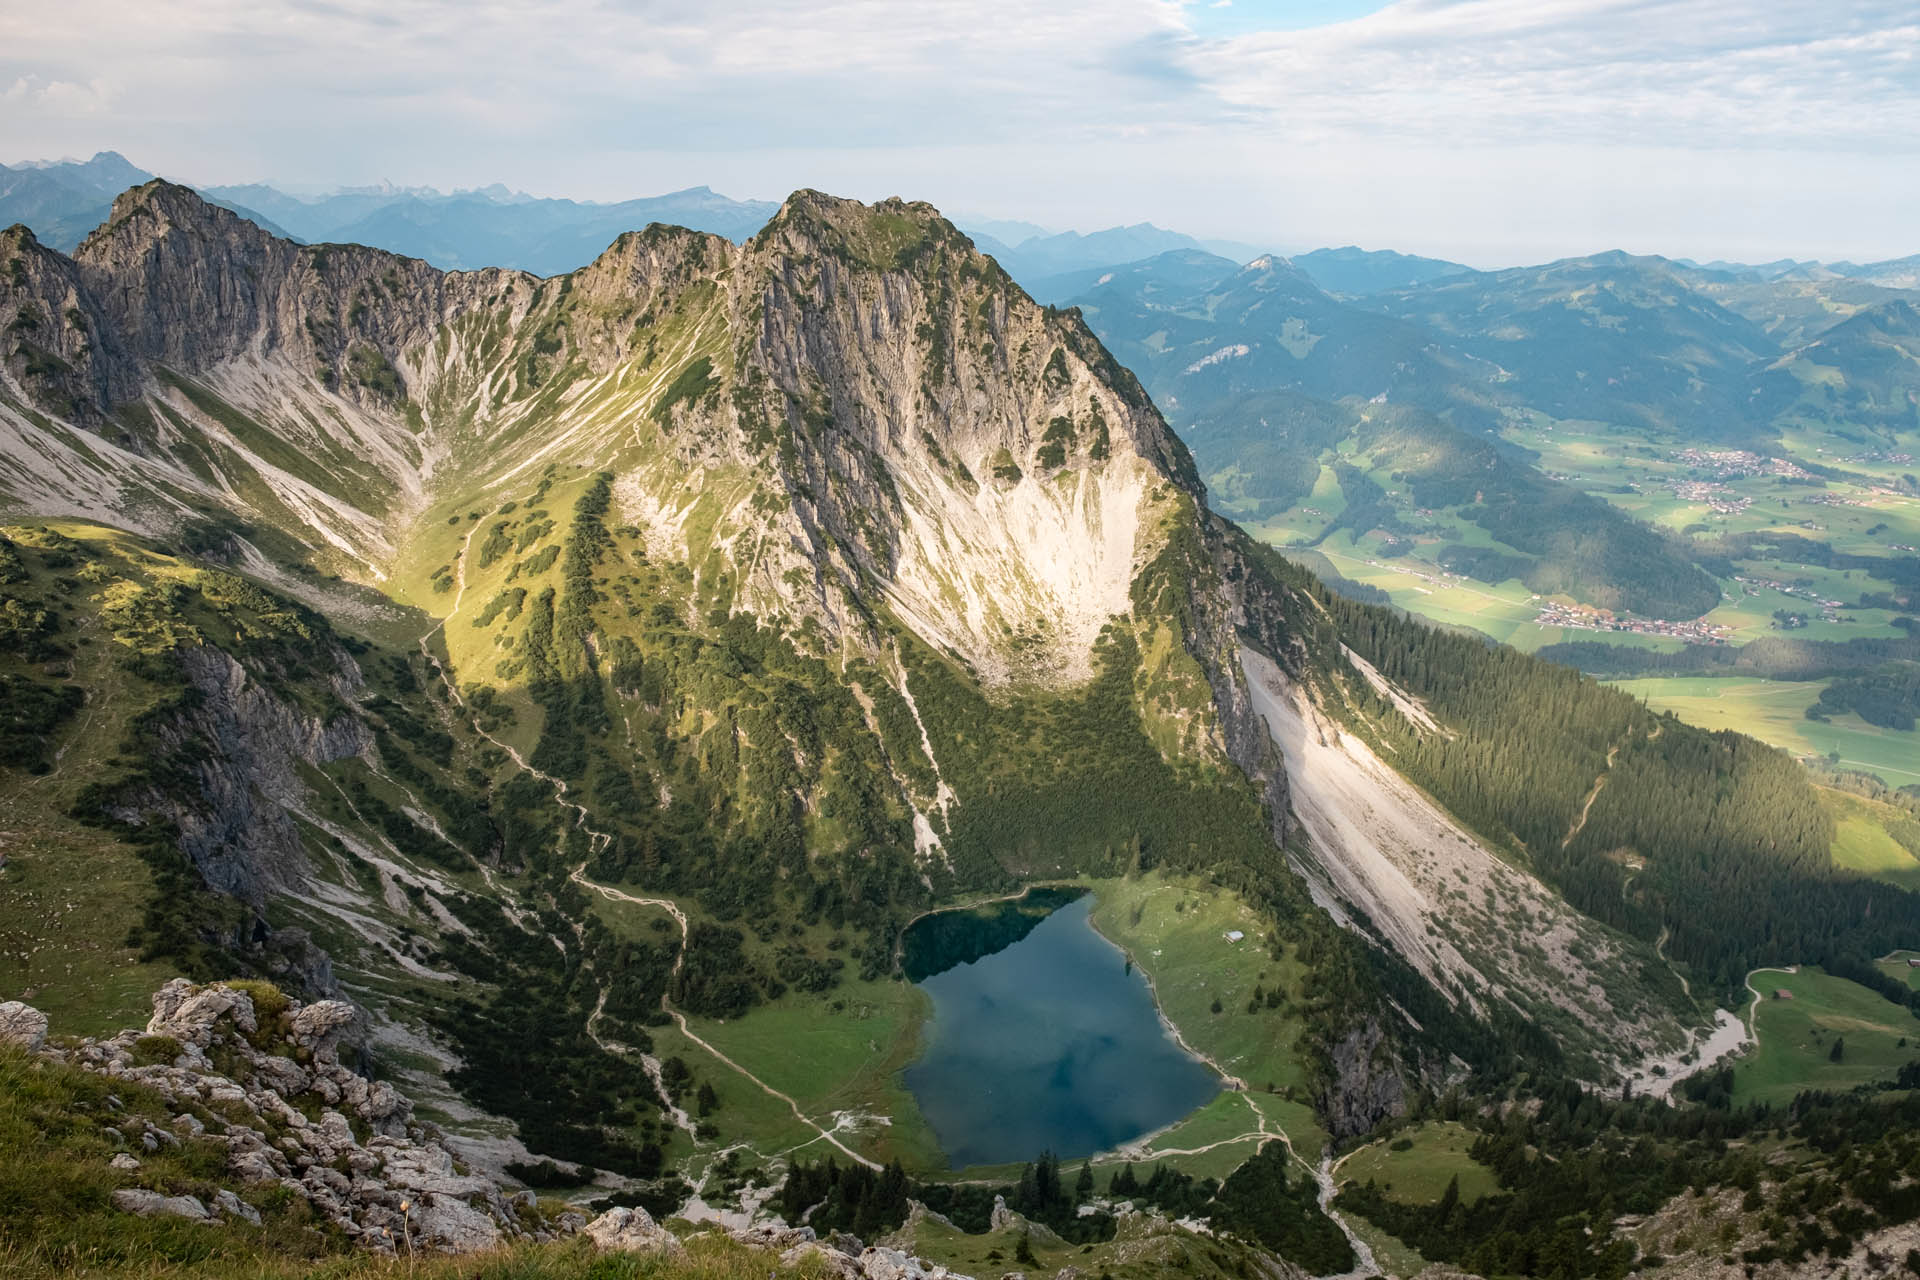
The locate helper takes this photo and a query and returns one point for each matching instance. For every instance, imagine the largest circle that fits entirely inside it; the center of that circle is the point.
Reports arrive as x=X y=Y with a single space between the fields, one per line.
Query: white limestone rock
x=633 y=1231
x=23 y=1025
x=151 y=1204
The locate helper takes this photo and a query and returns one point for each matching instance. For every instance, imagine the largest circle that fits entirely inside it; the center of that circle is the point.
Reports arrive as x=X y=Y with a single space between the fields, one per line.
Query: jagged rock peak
x=159 y=205
x=892 y=234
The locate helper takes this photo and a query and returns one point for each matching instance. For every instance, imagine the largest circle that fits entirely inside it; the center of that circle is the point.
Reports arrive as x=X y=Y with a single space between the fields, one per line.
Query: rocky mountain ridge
x=576 y=671
x=394 y=382
x=853 y=427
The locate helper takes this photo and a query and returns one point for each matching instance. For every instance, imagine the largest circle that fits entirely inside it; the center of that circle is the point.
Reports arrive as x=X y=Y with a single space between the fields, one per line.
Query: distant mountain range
x=1040 y=262
x=497 y=227
x=1358 y=272
x=1383 y=409
x=465 y=230
x=1894 y=273
x=64 y=201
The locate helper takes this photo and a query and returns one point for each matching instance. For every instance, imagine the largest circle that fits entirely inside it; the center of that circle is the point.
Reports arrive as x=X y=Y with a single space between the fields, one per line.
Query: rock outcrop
x=1366 y=1084
x=291 y=1115
x=634 y=1231
x=247 y=744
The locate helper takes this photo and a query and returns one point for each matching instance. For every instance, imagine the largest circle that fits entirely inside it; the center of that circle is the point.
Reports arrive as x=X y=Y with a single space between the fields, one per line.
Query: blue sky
x=1494 y=131
x=1211 y=19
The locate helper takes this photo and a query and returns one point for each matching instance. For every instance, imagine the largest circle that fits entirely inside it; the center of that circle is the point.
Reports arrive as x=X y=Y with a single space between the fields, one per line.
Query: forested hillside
x=1711 y=841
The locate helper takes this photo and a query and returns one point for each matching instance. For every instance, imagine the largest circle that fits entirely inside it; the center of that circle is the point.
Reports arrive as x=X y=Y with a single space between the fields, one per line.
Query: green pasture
x=1796 y=1037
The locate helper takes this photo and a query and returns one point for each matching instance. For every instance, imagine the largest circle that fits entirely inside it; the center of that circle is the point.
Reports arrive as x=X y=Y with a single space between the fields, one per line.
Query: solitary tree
x=1023 y=1252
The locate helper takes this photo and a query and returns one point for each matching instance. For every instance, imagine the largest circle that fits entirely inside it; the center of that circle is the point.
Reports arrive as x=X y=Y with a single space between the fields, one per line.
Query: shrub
x=155 y=1051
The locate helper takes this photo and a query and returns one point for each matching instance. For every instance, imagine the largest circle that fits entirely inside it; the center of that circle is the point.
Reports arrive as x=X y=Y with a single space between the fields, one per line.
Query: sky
x=1489 y=131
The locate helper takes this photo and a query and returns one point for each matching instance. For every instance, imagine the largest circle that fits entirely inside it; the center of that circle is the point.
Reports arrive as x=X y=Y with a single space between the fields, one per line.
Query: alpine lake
x=1043 y=1036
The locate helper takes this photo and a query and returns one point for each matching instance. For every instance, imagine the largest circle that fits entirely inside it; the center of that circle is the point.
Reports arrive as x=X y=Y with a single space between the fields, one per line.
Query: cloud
x=773 y=73
x=60 y=98
x=1707 y=74
x=1077 y=112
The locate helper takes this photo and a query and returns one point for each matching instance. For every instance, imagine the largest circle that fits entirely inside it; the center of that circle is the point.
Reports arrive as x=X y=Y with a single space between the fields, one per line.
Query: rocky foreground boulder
x=263 y=1074
x=242 y=1064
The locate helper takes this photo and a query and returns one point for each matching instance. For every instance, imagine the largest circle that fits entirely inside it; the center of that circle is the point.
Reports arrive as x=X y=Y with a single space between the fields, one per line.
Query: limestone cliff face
x=245 y=744
x=947 y=447
x=192 y=285
x=1366 y=1084
x=854 y=413
x=54 y=339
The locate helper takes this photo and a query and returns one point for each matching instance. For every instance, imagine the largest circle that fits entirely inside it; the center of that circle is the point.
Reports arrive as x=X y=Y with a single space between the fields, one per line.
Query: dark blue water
x=1052 y=1044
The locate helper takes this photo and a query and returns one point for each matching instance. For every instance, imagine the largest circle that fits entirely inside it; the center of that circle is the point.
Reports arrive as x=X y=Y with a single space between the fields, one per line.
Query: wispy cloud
x=1710 y=74
x=63 y=99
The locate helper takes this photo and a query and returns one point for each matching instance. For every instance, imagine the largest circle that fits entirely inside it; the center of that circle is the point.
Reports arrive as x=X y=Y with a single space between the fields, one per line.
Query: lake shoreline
x=1228 y=1080
x=1045 y=1043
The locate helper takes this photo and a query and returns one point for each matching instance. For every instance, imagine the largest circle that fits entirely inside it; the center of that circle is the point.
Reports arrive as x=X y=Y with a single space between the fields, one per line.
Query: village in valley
x=1580 y=617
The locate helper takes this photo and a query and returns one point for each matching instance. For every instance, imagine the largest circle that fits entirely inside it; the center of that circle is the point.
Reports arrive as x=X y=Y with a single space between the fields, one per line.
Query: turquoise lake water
x=1051 y=1044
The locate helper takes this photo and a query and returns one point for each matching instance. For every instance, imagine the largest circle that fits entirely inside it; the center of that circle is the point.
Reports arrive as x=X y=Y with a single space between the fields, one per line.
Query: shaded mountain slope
x=1610 y=337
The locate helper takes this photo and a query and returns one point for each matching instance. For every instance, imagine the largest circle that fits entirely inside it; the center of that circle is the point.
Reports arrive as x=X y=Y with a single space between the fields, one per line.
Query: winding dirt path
x=1660 y=949
x=1599 y=784
x=673 y=909
x=1364 y=1263
x=1753 y=1032
x=582 y=821
x=648 y=1063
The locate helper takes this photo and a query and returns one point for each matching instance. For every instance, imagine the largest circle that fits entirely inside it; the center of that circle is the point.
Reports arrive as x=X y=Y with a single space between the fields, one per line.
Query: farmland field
x=1774 y=711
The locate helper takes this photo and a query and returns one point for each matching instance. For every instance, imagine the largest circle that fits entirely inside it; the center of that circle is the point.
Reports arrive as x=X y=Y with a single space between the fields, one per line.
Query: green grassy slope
x=1796 y=1037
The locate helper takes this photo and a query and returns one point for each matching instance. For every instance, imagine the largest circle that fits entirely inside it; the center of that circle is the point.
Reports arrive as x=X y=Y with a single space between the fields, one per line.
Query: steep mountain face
x=805 y=385
x=878 y=420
